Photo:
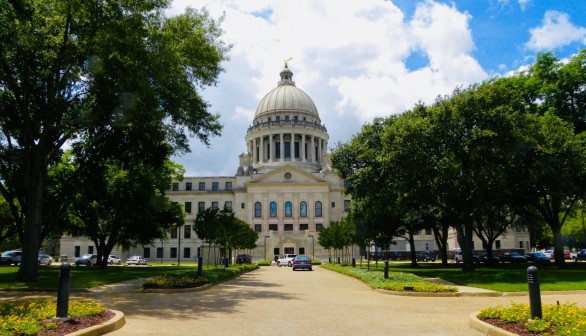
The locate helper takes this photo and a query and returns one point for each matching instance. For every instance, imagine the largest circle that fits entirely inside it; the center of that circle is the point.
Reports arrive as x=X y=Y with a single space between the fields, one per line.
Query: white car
x=45 y=259
x=114 y=260
x=286 y=259
x=136 y=260
x=548 y=253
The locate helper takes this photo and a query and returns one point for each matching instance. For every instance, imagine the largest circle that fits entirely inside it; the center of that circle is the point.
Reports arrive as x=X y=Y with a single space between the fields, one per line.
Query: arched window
x=288 y=209
x=257 y=210
x=273 y=207
x=318 y=209
x=303 y=209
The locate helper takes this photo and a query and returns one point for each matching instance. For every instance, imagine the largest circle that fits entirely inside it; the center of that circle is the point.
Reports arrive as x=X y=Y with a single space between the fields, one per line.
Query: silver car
x=45 y=259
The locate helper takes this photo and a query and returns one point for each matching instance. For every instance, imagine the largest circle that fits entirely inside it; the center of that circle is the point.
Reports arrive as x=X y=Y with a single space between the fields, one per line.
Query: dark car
x=243 y=259
x=512 y=257
x=11 y=257
x=537 y=257
x=492 y=260
x=426 y=256
x=302 y=262
x=581 y=255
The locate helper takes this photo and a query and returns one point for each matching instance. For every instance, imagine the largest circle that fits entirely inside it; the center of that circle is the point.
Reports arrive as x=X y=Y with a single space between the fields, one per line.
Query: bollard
x=338 y=260
x=534 y=294
x=63 y=291
x=353 y=262
x=199 y=266
x=386 y=269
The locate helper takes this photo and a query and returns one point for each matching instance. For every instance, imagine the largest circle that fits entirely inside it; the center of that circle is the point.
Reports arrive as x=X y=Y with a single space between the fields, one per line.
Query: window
x=273 y=209
x=90 y=250
x=318 y=209
x=186 y=252
x=146 y=252
x=201 y=207
x=214 y=205
x=286 y=118
x=175 y=186
x=257 y=210
x=174 y=233
x=258 y=227
x=273 y=227
x=276 y=251
x=215 y=186
x=278 y=118
x=187 y=231
x=173 y=252
x=228 y=186
x=520 y=244
x=77 y=251
x=346 y=205
x=159 y=252
x=288 y=209
x=303 y=227
x=318 y=227
x=333 y=204
x=242 y=205
x=296 y=149
x=188 y=186
x=428 y=232
x=302 y=209
x=287 y=149
x=302 y=250
x=277 y=150
x=202 y=186
x=228 y=205
x=288 y=227
x=188 y=207
x=295 y=118
x=497 y=244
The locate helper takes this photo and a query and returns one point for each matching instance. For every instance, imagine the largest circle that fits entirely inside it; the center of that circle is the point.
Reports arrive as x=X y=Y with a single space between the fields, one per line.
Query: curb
x=439 y=294
x=175 y=290
x=486 y=328
x=115 y=323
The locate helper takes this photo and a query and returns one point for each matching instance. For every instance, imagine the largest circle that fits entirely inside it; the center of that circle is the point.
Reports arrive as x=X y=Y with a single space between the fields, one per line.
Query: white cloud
x=556 y=31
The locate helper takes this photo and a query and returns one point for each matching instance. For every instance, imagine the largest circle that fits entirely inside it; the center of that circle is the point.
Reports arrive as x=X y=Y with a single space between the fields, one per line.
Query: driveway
x=278 y=301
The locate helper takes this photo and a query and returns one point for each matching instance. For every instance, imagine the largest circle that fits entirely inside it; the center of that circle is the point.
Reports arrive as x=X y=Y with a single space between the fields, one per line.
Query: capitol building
x=284 y=188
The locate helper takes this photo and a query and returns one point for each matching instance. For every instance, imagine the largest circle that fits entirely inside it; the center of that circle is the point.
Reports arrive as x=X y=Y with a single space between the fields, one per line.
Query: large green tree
x=69 y=69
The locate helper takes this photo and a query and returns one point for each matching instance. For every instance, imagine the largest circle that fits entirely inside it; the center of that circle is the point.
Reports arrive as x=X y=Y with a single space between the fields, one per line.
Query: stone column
x=293 y=147
x=261 y=152
x=302 y=149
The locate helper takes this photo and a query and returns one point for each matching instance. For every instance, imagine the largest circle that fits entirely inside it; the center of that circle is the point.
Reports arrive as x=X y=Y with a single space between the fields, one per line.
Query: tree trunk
x=558 y=242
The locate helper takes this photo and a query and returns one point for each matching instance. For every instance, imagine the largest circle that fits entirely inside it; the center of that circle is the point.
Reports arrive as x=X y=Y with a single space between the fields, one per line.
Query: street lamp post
x=312 y=247
x=266 y=246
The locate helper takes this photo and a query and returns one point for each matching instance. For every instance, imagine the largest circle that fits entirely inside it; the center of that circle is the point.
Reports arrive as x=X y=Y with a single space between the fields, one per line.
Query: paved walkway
x=278 y=301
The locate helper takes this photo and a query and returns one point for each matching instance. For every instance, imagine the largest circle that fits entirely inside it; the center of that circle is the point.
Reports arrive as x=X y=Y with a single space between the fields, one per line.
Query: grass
x=500 y=278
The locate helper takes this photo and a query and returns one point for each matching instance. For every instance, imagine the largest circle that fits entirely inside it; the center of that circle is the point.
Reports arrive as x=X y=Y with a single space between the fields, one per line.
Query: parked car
x=45 y=259
x=492 y=260
x=87 y=259
x=459 y=257
x=302 y=262
x=286 y=259
x=136 y=260
x=512 y=257
x=548 y=253
x=11 y=257
x=114 y=260
x=243 y=259
x=581 y=255
x=537 y=257
x=425 y=256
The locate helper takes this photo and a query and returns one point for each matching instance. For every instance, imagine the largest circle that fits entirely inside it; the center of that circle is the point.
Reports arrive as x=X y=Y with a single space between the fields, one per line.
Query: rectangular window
x=188 y=207
x=318 y=227
x=214 y=186
x=497 y=244
x=273 y=227
x=175 y=186
x=186 y=252
x=333 y=204
x=303 y=227
x=173 y=252
x=77 y=251
x=228 y=205
x=276 y=251
x=187 y=231
x=202 y=186
x=174 y=233
x=296 y=149
x=346 y=205
x=188 y=186
x=159 y=252
x=278 y=118
x=201 y=207
x=286 y=118
x=520 y=244
x=287 y=149
x=258 y=227
x=90 y=250
x=146 y=252
x=214 y=205
x=302 y=250
x=288 y=227
x=241 y=205
x=228 y=186
x=295 y=118
x=277 y=150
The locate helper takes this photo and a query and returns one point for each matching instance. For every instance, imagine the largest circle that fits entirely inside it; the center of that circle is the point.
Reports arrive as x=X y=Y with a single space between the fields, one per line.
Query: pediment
x=287 y=175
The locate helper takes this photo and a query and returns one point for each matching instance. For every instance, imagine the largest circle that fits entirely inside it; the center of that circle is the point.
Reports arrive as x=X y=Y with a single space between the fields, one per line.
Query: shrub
x=316 y=262
x=265 y=262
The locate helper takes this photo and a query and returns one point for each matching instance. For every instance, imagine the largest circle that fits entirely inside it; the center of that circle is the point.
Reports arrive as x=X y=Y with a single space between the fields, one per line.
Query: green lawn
x=501 y=277
x=87 y=277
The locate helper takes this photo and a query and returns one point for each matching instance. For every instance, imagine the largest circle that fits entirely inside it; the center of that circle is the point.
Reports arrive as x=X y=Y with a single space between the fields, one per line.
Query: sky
x=361 y=59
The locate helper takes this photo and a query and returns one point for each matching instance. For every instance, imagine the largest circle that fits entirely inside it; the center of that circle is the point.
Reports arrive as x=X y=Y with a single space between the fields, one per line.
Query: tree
x=69 y=69
x=8 y=236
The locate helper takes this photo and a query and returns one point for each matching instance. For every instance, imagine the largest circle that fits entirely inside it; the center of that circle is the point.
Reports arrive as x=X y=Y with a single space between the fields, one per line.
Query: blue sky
x=363 y=59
